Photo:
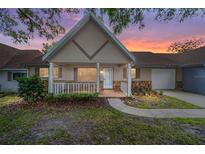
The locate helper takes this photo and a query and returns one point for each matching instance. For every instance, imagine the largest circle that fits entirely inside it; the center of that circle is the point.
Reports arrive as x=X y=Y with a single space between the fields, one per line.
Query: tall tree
x=24 y=24
x=121 y=18
x=186 y=45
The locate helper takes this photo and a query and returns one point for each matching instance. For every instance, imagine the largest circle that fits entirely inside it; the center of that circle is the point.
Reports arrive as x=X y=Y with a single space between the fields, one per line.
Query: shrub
x=141 y=90
x=71 y=97
x=50 y=98
x=31 y=89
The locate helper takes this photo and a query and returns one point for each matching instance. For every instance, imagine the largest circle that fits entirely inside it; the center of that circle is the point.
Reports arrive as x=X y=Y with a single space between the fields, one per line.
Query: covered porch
x=109 y=80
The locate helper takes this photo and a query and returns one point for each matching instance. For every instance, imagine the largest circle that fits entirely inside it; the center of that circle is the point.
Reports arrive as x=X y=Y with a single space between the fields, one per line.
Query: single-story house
x=16 y=63
x=89 y=58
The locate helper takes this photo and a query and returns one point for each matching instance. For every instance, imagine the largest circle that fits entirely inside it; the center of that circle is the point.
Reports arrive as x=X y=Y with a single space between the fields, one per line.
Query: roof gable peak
x=77 y=27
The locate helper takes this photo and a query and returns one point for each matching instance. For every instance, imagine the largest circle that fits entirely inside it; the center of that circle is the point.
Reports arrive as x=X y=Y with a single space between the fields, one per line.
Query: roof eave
x=122 y=47
x=66 y=38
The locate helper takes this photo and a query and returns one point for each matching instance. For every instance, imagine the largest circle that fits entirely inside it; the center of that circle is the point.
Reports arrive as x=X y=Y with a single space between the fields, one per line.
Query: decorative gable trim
x=86 y=53
x=74 y=31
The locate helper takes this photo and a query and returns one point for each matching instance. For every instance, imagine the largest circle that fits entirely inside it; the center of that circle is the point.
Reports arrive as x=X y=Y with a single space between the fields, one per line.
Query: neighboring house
x=14 y=63
x=89 y=58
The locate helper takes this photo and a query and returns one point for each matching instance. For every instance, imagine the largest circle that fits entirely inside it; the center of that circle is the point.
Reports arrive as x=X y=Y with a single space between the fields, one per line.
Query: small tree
x=31 y=89
x=186 y=45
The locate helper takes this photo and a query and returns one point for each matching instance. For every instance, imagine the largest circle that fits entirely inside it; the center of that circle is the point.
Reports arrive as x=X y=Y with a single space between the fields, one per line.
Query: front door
x=108 y=78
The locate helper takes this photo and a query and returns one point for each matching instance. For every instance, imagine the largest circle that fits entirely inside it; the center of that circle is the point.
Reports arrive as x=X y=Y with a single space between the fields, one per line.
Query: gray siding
x=11 y=86
x=194 y=80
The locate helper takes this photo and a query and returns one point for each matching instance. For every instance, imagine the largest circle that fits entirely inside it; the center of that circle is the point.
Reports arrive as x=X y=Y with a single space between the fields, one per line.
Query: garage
x=163 y=78
x=194 y=80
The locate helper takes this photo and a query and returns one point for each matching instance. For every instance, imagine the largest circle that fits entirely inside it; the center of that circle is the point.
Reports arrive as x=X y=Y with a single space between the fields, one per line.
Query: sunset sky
x=155 y=36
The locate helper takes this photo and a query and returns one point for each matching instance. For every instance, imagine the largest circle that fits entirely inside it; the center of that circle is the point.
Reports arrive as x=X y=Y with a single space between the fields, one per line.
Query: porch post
x=50 y=78
x=98 y=76
x=129 y=80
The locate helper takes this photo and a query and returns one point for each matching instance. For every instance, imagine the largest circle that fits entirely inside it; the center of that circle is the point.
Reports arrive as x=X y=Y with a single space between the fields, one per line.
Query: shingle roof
x=11 y=58
x=189 y=58
x=147 y=59
x=16 y=58
x=193 y=57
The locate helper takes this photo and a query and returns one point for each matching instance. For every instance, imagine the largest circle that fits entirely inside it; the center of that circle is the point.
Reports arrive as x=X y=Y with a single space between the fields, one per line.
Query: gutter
x=192 y=65
x=14 y=69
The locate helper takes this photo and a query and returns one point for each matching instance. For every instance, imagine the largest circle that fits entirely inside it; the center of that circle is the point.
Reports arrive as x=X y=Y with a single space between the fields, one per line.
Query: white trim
x=50 y=78
x=129 y=80
x=105 y=86
x=98 y=76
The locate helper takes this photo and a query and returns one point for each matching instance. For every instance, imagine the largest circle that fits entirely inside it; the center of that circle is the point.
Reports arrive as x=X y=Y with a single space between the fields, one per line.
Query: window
x=57 y=72
x=43 y=72
x=18 y=75
x=86 y=74
x=133 y=73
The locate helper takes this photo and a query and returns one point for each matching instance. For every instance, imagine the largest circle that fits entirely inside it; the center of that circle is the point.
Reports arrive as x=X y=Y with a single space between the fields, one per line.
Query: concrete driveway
x=195 y=99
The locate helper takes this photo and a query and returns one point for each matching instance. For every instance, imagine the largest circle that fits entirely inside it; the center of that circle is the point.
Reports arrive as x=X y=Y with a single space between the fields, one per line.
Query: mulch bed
x=99 y=102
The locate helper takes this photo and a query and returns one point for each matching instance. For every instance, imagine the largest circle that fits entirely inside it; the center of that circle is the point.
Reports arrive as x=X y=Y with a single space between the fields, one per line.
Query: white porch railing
x=77 y=87
x=124 y=87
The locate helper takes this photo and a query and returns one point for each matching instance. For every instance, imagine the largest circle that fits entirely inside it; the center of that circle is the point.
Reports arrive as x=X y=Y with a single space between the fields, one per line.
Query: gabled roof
x=11 y=58
x=74 y=31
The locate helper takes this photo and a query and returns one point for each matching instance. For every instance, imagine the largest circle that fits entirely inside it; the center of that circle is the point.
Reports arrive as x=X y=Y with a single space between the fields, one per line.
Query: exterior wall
x=146 y=77
x=68 y=71
x=144 y=81
x=194 y=80
x=90 y=38
x=31 y=71
x=8 y=85
x=179 y=84
x=178 y=74
x=145 y=74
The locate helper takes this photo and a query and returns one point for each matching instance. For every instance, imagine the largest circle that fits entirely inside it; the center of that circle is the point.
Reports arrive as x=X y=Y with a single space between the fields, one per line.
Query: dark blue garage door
x=194 y=80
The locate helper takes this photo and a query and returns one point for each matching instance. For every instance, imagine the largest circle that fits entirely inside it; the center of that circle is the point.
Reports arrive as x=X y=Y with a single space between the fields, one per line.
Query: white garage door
x=163 y=78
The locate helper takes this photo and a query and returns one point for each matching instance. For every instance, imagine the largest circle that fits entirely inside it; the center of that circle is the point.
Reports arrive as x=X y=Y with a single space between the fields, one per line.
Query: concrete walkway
x=195 y=99
x=156 y=113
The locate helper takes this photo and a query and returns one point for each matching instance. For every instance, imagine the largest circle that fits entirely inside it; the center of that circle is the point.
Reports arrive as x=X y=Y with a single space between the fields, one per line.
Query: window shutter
x=60 y=72
x=9 y=76
x=76 y=74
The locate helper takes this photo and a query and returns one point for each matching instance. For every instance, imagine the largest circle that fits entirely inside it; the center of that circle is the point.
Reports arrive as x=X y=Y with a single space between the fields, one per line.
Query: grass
x=158 y=102
x=8 y=98
x=88 y=124
x=191 y=121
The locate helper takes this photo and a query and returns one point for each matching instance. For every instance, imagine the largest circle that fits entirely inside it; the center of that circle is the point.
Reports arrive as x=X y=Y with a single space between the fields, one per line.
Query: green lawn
x=158 y=102
x=92 y=123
